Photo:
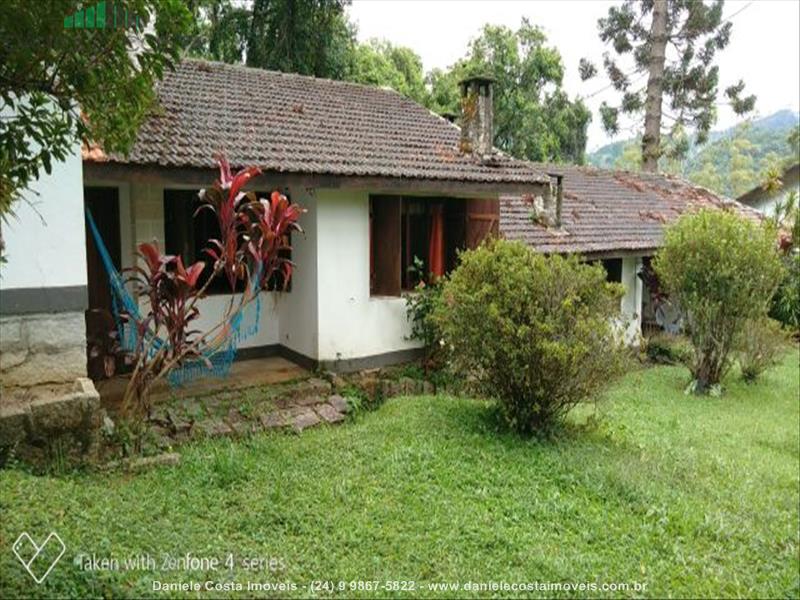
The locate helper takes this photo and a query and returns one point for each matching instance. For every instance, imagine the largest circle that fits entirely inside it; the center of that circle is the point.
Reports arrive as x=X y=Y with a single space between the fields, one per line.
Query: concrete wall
x=299 y=309
x=352 y=324
x=43 y=284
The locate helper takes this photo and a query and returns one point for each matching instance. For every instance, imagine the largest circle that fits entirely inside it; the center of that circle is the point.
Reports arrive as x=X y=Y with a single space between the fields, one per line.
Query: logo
x=38 y=559
x=104 y=15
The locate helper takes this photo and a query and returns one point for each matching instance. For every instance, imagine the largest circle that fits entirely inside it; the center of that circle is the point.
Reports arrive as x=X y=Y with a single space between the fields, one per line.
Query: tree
x=60 y=86
x=722 y=270
x=219 y=30
x=380 y=63
x=675 y=53
x=533 y=117
x=310 y=37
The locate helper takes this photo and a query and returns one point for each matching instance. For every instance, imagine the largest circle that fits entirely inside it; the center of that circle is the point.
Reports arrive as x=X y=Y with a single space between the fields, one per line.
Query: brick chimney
x=477 y=131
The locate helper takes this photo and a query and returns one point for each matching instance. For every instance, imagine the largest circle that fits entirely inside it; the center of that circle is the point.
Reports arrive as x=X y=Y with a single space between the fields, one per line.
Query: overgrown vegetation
x=420 y=305
x=762 y=343
x=534 y=332
x=66 y=86
x=786 y=302
x=669 y=349
x=695 y=499
x=722 y=270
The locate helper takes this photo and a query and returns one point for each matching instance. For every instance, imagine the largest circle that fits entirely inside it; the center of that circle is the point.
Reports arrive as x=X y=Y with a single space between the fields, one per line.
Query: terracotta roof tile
x=294 y=123
x=607 y=211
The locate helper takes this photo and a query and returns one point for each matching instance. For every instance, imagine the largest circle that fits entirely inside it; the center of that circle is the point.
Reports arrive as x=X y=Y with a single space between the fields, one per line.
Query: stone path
x=295 y=407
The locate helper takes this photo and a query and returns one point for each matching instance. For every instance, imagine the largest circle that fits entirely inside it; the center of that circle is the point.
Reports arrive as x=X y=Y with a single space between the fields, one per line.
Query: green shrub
x=419 y=310
x=722 y=270
x=761 y=345
x=536 y=333
x=669 y=349
x=786 y=303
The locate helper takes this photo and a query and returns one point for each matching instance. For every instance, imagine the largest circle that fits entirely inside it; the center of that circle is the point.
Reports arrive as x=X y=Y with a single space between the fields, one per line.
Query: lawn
x=694 y=497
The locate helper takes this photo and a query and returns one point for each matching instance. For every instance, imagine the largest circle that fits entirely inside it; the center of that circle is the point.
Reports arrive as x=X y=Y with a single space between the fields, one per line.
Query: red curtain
x=436 y=245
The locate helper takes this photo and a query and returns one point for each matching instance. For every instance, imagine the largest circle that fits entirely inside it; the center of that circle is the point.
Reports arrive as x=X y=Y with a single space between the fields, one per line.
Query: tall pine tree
x=673 y=43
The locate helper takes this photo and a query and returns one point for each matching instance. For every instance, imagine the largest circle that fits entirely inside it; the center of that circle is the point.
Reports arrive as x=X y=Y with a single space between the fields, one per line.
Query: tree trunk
x=256 y=42
x=651 y=141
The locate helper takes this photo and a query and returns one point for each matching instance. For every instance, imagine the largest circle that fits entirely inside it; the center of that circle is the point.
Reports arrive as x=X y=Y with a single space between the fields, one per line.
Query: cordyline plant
x=251 y=249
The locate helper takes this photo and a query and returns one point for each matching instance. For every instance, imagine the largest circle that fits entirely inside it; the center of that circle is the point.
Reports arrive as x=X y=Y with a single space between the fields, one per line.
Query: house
x=376 y=172
x=765 y=199
x=372 y=168
x=616 y=217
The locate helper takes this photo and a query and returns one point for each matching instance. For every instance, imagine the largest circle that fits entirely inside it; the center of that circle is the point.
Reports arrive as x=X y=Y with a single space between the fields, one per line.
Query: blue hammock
x=217 y=361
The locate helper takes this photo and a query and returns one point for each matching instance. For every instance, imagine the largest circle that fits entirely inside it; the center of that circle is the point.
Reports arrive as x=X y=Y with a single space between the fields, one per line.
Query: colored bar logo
x=104 y=15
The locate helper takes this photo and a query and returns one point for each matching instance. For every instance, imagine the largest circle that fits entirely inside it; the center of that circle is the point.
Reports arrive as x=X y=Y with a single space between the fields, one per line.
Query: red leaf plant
x=252 y=247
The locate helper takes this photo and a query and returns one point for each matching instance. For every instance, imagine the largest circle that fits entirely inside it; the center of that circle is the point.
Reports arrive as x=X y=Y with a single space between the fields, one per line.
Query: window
x=613 y=267
x=410 y=231
x=187 y=235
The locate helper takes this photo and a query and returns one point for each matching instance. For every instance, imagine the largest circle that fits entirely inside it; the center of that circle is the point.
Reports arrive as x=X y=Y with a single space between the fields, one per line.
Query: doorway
x=102 y=358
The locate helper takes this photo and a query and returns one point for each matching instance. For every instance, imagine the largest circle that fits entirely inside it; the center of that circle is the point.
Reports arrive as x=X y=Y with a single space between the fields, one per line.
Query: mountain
x=733 y=160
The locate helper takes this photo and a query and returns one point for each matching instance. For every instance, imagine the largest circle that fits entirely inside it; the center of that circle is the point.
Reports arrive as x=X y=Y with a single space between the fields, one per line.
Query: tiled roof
x=298 y=124
x=606 y=211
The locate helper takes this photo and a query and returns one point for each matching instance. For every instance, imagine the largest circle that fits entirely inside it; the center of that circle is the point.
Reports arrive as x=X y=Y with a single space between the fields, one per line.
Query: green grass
x=696 y=497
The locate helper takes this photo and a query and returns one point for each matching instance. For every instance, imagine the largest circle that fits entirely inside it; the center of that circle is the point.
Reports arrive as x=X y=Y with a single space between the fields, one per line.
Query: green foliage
x=685 y=82
x=664 y=485
x=665 y=348
x=381 y=63
x=420 y=305
x=786 y=303
x=64 y=86
x=533 y=116
x=310 y=37
x=722 y=270
x=535 y=332
x=762 y=343
x=220 y=30
x=731 y=163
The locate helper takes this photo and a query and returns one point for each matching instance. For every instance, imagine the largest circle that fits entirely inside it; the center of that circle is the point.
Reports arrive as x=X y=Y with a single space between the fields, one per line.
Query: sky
x=764 y=48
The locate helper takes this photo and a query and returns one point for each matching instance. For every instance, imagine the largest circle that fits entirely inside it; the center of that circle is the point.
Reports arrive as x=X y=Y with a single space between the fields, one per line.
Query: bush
x=762 y=343
x=722 y=270
x=668 y=349
x=419 y=310
x=536 y=333
x=786 y=303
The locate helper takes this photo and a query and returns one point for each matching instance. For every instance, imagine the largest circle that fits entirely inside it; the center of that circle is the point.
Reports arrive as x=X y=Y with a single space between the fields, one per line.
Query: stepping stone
x=213 y=428
x=275 y=419
x=329 y=413
x=304 y=420
x=309 y=400
x=339 y=403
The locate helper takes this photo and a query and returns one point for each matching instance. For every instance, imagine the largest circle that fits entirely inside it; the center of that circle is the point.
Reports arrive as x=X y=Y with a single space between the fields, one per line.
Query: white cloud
x=764 y=48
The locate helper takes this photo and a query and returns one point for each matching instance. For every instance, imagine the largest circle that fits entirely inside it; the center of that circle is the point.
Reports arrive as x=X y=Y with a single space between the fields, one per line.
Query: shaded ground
x=695 y=497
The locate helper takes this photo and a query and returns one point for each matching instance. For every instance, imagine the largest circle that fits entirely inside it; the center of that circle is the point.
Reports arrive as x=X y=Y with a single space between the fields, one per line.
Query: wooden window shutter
x=483 y=220
x=385 y=236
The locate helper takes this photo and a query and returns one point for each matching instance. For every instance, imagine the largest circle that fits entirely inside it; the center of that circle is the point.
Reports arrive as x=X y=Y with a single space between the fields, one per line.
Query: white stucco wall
x=352 y=323
x=45 y=241
x=298 y=309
